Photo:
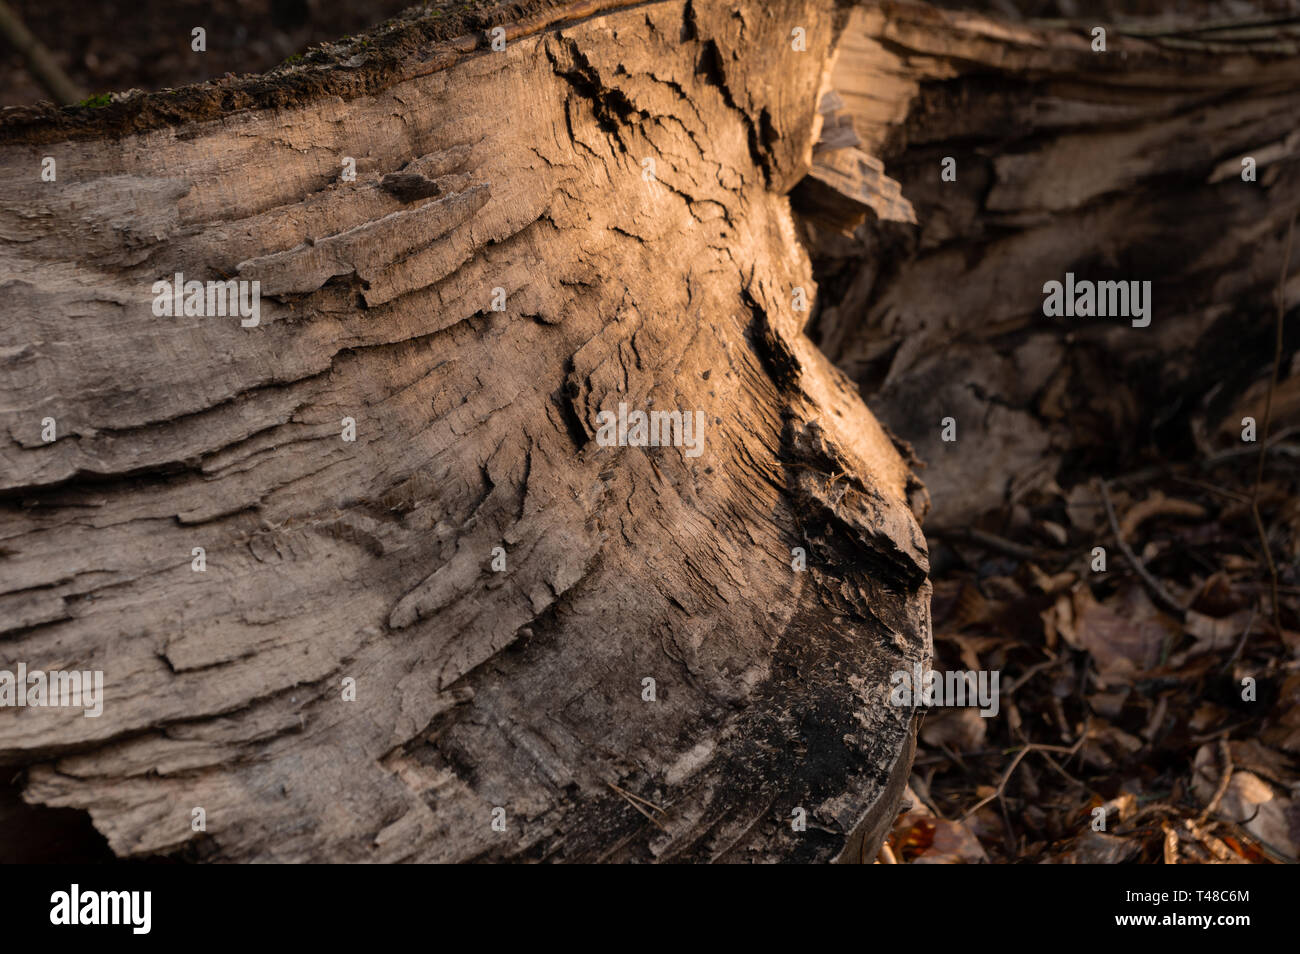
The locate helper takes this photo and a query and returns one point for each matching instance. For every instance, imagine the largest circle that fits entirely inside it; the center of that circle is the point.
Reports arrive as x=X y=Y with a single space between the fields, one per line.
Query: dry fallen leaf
x=960 y=729
x=1262 y=811
x=1120 y=644
x=922 y=839
x=1097 y=848
x=1212 y=634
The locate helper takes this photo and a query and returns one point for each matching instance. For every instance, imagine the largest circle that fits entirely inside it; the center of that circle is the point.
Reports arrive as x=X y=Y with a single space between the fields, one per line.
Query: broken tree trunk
x=1122 y=164
x=359 y=574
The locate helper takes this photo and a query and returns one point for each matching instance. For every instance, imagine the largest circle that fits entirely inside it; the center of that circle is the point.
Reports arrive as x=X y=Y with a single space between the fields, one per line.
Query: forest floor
x=1150 y=710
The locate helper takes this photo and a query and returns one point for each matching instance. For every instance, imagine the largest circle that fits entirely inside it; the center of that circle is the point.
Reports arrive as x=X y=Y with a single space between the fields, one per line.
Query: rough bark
x=1122 y=165
x=372 y=560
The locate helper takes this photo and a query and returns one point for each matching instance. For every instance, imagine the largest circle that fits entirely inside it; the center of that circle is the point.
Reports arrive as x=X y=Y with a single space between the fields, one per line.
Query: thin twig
x=1241 y=643
x=988 y=541
x=1211 y=489
x=1034 y=670
x=1006 y=776
x=1268 y=419
x=1225 y=756
x=1273 y=443
x=1154 y=808
x=650 y=805
x=1068 y=777
x=40 y=63
x=1146 y=474
x=1157 y=590
x=633 y=799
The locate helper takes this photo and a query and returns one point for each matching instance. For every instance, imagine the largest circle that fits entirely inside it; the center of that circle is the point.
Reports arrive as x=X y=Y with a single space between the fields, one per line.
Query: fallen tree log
x=1119 y=164
x=367 y=569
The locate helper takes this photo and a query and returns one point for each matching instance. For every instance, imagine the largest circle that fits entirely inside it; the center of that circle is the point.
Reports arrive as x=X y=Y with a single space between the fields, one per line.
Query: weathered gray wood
x=477 y=170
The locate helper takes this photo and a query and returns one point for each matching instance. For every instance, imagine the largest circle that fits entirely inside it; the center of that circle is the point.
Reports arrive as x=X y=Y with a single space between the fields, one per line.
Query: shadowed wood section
x=513 y=180
x=1123 y=165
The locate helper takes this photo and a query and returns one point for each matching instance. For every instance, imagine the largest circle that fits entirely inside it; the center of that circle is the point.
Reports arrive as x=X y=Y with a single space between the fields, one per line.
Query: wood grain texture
x=1122 y=165
x=328 y=559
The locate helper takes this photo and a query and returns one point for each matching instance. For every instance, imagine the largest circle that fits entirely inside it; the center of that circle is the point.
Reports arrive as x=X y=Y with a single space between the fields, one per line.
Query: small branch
x=1225 y=756
x=1241 y=643
x=1006 y=776
x=633 y=799
x=1034 y=670
x=1268 y=445
x=1268 y=419
x=40 y=62
x=1160 y=594
x=988 y=541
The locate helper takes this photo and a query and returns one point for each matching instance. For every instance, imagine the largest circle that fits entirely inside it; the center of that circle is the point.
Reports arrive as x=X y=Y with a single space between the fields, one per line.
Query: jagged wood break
x=1116 y=165
x=476 y=170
